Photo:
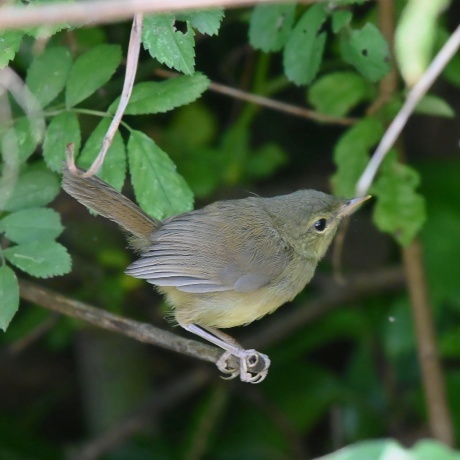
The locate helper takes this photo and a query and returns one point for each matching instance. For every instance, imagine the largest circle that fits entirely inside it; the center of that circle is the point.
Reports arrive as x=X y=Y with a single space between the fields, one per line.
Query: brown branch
x=104 y=11
x=439 y=417
x=269 y=103
x=142 y=332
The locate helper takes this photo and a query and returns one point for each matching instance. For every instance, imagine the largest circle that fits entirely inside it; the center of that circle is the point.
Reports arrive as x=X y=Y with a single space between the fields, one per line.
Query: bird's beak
x=350 y=206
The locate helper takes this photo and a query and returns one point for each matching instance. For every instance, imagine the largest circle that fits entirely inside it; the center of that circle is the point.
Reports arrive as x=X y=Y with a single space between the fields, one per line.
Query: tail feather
x=99 y=196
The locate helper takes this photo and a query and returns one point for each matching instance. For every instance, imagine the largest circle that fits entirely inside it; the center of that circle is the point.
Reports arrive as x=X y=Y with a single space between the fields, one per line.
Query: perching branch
x=334 y=297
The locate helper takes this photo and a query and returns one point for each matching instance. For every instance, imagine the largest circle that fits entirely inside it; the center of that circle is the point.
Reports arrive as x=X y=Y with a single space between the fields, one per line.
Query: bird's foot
x=253 y=366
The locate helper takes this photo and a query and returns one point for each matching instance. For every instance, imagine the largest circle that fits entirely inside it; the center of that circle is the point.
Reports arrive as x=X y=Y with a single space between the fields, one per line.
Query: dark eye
x=320 y=225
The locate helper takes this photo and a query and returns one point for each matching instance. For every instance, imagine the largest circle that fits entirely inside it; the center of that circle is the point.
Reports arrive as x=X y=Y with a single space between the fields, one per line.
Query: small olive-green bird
x=226 y=264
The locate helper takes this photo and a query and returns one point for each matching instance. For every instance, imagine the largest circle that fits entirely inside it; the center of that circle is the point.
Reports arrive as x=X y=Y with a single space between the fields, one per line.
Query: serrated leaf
x=9 y=293
x=159 y=97
x=270 y=26
x=337 y=93
x=367 y=50
x=90 y=71
x=64 y=129
x=35 y=224
x=159 y=188
x=113 y=170
x=34 y=188
x=27 y=134
x=399 y=210
x=169 y=45
x=341 y=19
x=42 y=259
x=10 y=41
x=47 y=74
x=434 y=106
x=415 y=37
x=205 y=21
x=304 y=49
x=351 y=155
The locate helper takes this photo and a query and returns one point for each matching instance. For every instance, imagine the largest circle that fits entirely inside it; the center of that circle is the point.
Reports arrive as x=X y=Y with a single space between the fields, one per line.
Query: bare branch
x=270 y=103
x=130 y=75
x=104 y=11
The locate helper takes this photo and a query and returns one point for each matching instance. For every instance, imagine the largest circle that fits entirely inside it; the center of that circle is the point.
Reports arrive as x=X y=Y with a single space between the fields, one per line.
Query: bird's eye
x=320 y=225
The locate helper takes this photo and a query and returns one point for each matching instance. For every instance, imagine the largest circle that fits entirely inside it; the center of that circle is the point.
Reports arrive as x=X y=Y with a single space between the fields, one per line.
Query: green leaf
x=64 y=129
x=90 y=71
x=159 y=97
x=113 y=170
x=205 y=21
x=159 y=189
x=35 y=224
x=341 y=19
x=47 y=74
x=385 y=449
x=270 y=26
x=9 y=293
x=27 y=134
x=10 y=41
x=169 y=45
x=427 y=449
x=42 y=259
x=367 y=51
x=304 y=49
x=399 y=210
x=415 y=37
x=351 y=155
x=337 y=93
x=34 y=188
x=435 y=106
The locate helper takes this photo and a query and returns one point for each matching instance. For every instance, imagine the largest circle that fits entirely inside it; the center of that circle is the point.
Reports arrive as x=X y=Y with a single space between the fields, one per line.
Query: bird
x=226 y=264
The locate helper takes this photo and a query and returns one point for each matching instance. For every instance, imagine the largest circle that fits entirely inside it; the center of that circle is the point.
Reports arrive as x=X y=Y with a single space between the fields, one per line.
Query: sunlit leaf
x=42 y=259
x=157 y=97
x=270 y=26
x=90 y=71
x=160 y=189
x=304 y=49
x=169 y=45
x=34 y=224
x=399 y=210
x=47 y=74
x=64 y=129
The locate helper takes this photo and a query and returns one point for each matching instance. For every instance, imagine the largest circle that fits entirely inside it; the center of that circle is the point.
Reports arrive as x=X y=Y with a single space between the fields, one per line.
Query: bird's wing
x=209 y=251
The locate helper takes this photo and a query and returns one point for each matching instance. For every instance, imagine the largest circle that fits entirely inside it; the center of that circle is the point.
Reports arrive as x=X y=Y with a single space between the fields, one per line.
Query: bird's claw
x=249 y=361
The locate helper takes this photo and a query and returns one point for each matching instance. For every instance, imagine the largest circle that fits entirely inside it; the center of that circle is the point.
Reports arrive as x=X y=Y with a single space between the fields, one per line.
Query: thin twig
x=130 y=75
x=103 y=11
x=269 y=103
x=413 y=98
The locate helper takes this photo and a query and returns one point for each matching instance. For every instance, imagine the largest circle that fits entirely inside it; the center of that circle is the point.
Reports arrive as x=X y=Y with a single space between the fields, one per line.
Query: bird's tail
x=99 y=196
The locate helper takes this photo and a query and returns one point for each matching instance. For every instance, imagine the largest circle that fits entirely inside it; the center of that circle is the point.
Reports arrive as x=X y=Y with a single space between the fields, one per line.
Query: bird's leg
x=249 y=359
